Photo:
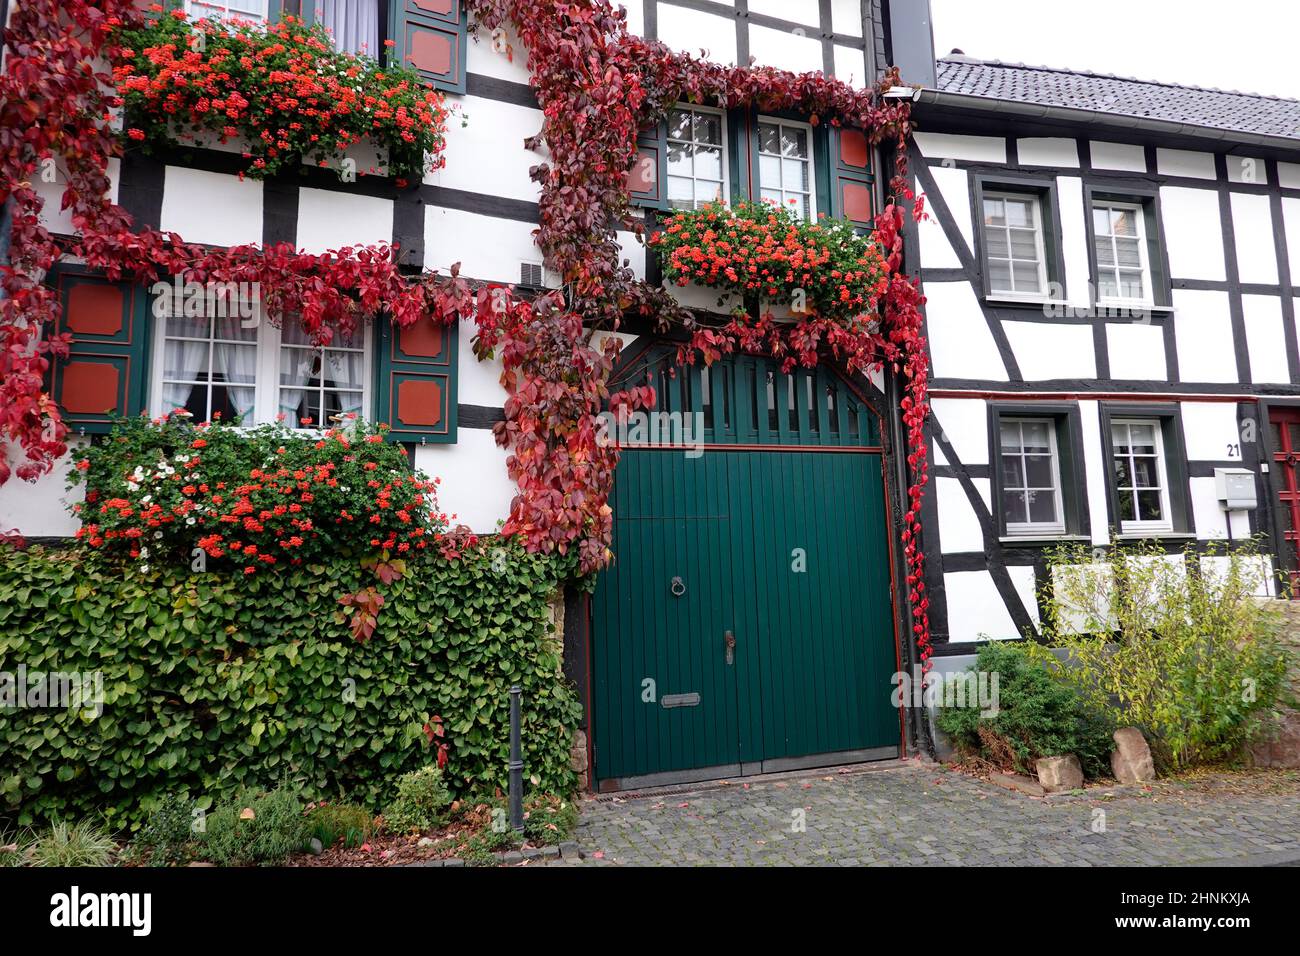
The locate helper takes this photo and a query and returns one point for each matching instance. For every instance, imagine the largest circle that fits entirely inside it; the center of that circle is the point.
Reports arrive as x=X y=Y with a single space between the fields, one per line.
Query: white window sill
x=1043 y=538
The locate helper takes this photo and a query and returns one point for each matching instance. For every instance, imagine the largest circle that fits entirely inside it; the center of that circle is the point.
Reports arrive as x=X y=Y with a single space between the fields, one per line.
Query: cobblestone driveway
x=918 y=815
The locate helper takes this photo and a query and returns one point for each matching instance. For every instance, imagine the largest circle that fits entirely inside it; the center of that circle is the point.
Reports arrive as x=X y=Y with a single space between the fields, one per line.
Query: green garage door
x=746 y=622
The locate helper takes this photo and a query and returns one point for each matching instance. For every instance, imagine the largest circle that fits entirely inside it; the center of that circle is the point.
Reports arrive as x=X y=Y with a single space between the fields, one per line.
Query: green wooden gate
x=746 y=623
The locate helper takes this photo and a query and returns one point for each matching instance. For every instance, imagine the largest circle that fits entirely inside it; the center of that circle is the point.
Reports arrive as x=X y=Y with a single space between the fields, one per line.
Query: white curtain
x=296 y=369
x=345 y=371
x=354 y=23
x=182 y=360
x=238 y=363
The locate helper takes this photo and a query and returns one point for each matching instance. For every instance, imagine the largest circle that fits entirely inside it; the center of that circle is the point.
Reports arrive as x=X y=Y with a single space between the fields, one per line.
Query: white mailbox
x=1236 y=488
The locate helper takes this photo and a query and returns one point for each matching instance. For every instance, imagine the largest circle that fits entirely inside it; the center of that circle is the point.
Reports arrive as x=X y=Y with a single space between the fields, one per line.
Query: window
x=316 y=384
x=226 y=9
x=785 y=168
x=696 y=158
x=236 y=367
x=1013 y=245
x=1141 y=478
x=1031 y=476
x=354 y=24
x=209 y=367
x=1119 y=241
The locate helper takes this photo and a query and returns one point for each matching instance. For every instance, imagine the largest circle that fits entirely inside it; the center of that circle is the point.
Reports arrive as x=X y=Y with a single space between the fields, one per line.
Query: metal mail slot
x=680 y=700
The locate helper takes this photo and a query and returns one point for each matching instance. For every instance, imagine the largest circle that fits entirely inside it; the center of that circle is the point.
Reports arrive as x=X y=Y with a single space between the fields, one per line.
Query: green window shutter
x=106 y=372
x=852 y=180
x=431 y=35
x=416 y=381
x=647 y=179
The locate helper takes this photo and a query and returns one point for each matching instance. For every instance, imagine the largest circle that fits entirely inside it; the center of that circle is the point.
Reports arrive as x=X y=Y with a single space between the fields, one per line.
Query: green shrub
x=77 y=844
x=167 y=839
x=159 y=490
x=1037 y=715
x=275 y=828
x=332 y=822
x=421 y=804
x=549 y=820
x=216 y=681
x=1179 y=646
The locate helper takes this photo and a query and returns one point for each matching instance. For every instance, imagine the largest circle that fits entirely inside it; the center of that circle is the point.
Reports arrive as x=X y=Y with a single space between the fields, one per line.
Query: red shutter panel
x=106 y=372
x=431 y=35
x=647 y=179
x=853 y=184
x=417 y=381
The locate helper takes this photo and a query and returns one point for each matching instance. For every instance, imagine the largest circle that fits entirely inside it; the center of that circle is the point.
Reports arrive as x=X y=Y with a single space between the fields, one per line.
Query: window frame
x=266 y=382
x=1138 y=526
x=779 y=121
x=724 y=145
x=1040 y=245
x=1029 y=528
x=1144 y=254
x=1174 y=458
x=267 y=18
x=1147 y=199
x=1067 y=428
x=994 y=180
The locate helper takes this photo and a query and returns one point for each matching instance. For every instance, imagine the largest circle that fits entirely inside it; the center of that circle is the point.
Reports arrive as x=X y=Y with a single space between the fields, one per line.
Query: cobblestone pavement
x=929 y=815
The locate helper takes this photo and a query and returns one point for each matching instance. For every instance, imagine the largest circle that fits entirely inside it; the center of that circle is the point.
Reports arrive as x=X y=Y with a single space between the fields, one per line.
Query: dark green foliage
x=167 y=839
x=216 y=681
x=421 y=804
x=275 y=829
x=1038 y=715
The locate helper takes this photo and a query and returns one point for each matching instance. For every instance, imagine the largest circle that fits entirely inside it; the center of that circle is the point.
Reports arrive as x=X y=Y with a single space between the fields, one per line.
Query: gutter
x=1081 y=117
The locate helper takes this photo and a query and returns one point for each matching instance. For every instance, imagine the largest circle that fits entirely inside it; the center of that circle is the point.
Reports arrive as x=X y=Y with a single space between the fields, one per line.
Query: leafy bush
x=77 y=844
x=421 y=803
x=1037 y=715
x=160 y=489
x=758 y=250
x=1179 y=644
x=282 y=89
x=213 y=681
x=255 y=828
x=167 y=839
x=332 y=822
x=549 y=819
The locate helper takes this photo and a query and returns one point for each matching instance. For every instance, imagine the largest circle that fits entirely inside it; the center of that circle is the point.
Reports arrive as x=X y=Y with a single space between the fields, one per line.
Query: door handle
x=729 y=640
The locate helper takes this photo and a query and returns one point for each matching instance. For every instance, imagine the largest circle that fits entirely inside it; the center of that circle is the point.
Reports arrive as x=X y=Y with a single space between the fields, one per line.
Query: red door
x=1286 y=456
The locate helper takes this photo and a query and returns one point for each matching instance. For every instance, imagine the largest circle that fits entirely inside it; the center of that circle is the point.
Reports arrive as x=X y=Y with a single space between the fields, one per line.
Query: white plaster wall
x=1209 y=428
x=975 y=608
x=1265 y=338
x=936 y=251
x=331 y=220
x=784 y=50
x=1291 y=223
x=958 y=523
x=1047 y=151
x=633 y=250
x=961 y=345
x=1203 y=329
x=1252 y=222
x=1183 y=162
x=486 y=154
x=850 y=66
x=846 y=17
x=1208 y=516
x=1136 y=350
x=976 y=149
x=1257 y=572
x=1048 y=350
x=1288 y=175
x=691 y=31
x=1074 y=239
x=1246 y=169
x=635 y=16
x=964 y=423
x=486 y=247
x=477 y=383
x=41 y=508
x=1094 y=471
x=474 y=484
x=800 y=11
x=53 y=216
x=213 y=208
x=1125 y=157
x=1193 y=232
x=505 y=58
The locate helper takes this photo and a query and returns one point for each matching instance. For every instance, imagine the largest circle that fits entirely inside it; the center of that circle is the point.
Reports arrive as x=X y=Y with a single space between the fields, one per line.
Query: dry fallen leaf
x=247 y=814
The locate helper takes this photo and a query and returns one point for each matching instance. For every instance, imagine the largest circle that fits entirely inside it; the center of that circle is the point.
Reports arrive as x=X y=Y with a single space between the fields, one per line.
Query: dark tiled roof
x=1044 y=86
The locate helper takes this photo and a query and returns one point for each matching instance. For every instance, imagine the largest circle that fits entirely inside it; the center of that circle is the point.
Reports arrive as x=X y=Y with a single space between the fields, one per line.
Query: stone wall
x=1280 y=744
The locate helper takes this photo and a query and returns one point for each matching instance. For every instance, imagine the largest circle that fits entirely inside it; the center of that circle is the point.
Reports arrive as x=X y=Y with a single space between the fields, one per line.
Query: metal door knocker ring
x=678 y=587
